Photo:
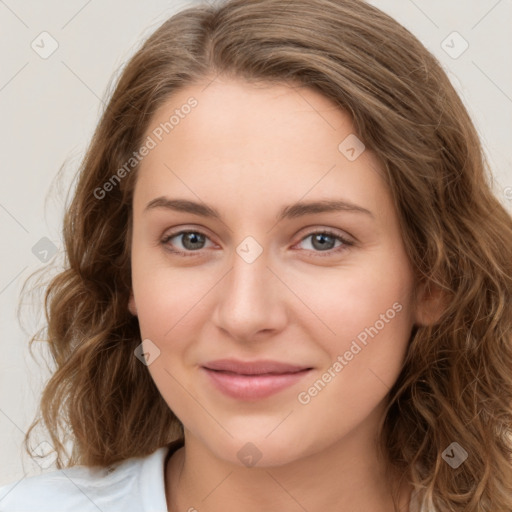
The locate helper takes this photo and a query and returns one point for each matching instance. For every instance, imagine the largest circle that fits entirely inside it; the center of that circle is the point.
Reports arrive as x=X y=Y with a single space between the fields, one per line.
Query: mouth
x=253 y=381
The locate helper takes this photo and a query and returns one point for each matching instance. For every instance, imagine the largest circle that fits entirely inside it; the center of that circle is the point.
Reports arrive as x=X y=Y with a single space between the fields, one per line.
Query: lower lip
x=253 y=387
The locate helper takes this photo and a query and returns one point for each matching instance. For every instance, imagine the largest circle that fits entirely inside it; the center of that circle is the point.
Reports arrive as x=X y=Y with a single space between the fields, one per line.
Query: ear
x=431 y=303
x=132 y=307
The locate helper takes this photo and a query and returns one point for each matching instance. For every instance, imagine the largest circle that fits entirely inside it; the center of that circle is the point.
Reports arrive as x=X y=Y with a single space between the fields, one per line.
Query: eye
x=321 y=242
x=324 y=242
x=192 y=241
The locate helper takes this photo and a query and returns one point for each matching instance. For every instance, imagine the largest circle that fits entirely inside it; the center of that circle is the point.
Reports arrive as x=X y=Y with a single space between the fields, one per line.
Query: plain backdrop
x=50 y=106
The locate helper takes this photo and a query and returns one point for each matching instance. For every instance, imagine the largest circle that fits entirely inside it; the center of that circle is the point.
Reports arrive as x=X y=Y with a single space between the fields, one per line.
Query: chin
x=261 y=450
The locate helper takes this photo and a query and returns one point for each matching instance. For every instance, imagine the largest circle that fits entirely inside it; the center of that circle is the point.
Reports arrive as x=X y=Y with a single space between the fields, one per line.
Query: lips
x=253 y=367
x=252 y=380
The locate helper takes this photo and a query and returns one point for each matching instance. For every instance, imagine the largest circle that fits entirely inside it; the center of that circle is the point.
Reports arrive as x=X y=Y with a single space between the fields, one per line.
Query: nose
x=251 y=300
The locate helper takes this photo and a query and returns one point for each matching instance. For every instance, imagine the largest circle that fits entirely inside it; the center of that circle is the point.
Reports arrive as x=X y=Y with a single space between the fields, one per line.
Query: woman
x=341 y=337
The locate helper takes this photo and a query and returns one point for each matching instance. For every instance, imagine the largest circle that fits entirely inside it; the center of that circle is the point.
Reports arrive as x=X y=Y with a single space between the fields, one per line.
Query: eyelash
x=346 y=243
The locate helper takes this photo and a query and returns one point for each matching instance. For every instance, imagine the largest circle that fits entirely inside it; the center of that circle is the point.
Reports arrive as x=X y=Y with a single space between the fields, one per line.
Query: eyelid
x=335 y=232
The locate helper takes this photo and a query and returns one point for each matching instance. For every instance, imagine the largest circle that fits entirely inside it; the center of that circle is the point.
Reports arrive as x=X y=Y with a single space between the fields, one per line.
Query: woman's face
x=260 y=281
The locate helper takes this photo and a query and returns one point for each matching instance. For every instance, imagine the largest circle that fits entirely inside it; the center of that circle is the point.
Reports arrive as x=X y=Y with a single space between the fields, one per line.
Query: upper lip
x=254 y=367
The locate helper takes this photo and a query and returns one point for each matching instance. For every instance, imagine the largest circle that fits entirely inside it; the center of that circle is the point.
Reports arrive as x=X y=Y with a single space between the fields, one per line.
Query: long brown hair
x=456 y=382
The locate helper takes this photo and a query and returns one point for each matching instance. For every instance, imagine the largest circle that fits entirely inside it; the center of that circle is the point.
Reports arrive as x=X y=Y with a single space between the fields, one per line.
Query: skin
x=248 y=151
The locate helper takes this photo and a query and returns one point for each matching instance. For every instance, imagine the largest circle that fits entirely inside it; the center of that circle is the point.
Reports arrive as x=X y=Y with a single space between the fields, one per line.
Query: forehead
x=255 y=142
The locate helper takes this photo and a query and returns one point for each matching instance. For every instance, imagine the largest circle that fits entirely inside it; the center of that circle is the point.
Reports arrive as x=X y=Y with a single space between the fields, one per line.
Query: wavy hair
x=456 y=380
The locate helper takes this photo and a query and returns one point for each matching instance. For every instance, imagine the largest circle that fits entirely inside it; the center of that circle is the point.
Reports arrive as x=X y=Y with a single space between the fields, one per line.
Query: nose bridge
x=249 y=284
x=248 y=301
x=249 y=274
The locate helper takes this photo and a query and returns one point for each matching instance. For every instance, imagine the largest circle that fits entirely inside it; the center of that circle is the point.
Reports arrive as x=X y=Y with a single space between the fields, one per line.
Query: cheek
x=171 y=304
x=168 y=312
x=159 y=292
x=372 y=321
x=367 y=318
x=163 y=306
x=348 y=300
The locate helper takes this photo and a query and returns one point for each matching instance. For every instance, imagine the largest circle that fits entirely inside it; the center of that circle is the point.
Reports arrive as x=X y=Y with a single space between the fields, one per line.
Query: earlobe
x=430 y=304
x=131 y=304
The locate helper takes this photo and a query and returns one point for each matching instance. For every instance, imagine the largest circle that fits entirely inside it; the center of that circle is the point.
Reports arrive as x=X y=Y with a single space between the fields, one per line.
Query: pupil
x=192 y=239
x=320 y=238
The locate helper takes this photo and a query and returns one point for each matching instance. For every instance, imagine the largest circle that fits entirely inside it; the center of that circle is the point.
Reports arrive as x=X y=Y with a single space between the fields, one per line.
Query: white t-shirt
x=133 y=485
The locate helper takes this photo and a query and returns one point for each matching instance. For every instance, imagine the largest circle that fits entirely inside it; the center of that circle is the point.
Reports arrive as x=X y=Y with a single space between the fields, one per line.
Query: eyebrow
x=292 y=211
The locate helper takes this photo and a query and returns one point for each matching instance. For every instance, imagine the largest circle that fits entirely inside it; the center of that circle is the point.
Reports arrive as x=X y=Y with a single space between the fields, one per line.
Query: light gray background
x=50 y=106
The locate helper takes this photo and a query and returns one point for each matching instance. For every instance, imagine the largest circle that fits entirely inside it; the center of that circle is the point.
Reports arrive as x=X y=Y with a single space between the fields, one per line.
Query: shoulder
x=136 y=484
